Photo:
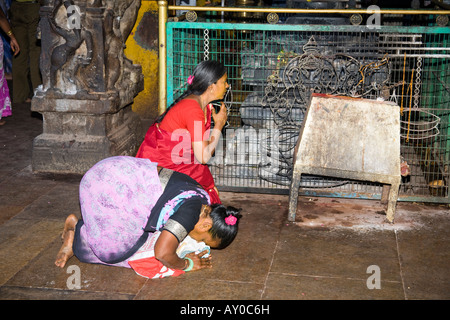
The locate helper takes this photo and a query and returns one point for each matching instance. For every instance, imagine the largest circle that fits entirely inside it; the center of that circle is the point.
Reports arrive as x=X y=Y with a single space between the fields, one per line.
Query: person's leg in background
x=25 y=67
x=21 y=87
x=34 y=47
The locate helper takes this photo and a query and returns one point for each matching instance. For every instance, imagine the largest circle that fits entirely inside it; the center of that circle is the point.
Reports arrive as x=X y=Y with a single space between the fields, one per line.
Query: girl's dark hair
x=205 y=73
x=220 y=229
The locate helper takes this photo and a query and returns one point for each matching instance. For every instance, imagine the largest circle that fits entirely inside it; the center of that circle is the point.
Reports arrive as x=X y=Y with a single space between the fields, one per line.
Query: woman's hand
x=14 y=46
x=199 y=262
x=165 y=251
x=220 y=119
x=203 y=150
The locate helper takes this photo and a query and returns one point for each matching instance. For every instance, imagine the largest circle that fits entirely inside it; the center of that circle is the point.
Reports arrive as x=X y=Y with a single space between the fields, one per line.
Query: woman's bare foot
x=66 y=252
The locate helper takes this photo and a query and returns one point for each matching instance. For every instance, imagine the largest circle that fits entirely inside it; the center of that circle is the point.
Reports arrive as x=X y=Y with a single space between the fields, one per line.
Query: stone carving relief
x=120 y=17
x=88 y=85
x=67 y=57
x=86 y=58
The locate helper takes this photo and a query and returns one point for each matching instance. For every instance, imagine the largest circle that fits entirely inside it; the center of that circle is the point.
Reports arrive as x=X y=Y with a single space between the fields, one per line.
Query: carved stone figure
x=120 y=17
x=88 y=84
x=65 y=53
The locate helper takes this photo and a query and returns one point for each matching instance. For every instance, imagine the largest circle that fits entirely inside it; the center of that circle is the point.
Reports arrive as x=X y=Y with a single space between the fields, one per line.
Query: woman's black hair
x=220 y=229
x=205 y=73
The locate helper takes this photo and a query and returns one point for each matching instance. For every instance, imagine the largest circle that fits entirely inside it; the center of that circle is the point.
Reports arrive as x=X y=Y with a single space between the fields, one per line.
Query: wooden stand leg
x=385 y=193
x=392 y=202
x=293 y=195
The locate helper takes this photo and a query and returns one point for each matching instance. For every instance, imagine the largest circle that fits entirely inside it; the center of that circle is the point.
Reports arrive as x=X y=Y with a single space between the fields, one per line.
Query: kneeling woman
x=124 y=199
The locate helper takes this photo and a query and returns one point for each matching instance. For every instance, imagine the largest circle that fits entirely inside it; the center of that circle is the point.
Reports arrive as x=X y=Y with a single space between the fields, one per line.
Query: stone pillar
x=88 y=85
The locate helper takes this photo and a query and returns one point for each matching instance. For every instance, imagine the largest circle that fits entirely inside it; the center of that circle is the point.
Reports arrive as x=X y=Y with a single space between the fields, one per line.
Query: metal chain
x=428 y=127
x=206 y=44
x=418 y=82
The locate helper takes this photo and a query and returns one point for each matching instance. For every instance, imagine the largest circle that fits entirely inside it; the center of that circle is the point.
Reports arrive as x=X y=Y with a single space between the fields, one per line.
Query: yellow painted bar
x=141 y=50
x=162 y=5
x=286 y=10
x=163 y=8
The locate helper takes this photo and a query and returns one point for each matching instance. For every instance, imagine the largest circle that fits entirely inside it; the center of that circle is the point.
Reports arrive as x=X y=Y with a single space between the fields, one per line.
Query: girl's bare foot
x=66 y=252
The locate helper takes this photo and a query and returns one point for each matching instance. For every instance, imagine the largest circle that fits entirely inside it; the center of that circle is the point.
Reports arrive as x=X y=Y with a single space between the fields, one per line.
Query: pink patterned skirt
x=5 y=100
x=116 y=198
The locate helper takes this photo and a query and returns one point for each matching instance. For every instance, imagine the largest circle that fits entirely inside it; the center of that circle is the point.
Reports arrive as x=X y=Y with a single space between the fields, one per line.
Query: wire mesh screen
x=273 y=70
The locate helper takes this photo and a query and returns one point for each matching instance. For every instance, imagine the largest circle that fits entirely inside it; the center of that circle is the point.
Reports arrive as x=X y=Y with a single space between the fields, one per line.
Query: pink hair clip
x=230 y=220
x=190 y=79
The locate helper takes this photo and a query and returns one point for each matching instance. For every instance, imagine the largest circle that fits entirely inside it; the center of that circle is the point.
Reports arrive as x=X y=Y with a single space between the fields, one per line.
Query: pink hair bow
x=230 y=220
x=190 y=79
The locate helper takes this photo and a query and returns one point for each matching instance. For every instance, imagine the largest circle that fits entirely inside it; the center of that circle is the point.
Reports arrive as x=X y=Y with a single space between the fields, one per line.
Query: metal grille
x=273 y=69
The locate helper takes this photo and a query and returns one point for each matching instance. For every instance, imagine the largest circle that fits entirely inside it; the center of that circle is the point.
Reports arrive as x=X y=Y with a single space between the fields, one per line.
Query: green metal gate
x=273 y=69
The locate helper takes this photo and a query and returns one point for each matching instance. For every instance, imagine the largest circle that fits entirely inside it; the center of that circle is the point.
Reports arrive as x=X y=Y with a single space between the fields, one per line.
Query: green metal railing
x=415 y=73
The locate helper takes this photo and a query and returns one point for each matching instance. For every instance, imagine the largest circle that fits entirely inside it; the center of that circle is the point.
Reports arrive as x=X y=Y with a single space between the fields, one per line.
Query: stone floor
x=337 y=248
